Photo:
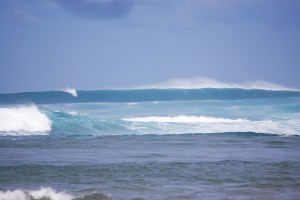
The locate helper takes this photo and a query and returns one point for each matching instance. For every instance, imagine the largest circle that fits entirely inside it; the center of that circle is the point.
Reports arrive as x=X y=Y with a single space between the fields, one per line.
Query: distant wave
x=71 y=91
x=26 y=120
x=47 y=193
x=184 y=119
x=202 y=82
x=142 y=95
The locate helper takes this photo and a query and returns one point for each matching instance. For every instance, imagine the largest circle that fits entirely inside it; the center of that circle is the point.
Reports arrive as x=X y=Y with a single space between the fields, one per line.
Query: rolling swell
x=142 y=95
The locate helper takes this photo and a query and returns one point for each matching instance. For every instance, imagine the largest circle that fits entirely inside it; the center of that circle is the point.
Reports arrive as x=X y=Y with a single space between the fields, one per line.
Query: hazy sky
x=94 y=44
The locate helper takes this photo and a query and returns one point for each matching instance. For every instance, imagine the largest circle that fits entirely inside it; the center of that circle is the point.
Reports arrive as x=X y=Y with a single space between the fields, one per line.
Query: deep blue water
x=150 y=144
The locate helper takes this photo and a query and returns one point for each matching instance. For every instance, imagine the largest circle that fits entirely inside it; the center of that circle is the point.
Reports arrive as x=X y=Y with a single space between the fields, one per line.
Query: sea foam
x=24 y=120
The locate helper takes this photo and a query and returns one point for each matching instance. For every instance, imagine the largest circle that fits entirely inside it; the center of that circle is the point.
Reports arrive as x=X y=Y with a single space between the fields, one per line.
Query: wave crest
x=23 y=121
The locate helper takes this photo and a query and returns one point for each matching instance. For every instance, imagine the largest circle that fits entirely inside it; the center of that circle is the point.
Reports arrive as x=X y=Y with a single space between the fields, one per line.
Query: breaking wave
x=71 y=91
x=43 y=193
x=26 y=120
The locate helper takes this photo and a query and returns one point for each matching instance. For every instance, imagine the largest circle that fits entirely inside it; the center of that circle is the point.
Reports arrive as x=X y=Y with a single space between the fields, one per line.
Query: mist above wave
x=202 y=82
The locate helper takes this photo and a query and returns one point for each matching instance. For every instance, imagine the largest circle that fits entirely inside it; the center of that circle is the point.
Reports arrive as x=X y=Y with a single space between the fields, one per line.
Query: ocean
x=209 y=143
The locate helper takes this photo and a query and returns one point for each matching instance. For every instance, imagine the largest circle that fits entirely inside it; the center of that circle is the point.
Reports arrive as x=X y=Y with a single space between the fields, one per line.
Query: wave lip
x=23 y=121
x=71 y=91
x=184 y=119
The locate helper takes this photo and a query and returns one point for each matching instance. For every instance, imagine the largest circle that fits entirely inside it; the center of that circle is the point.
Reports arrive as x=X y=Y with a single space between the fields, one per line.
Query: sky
x=96 y=44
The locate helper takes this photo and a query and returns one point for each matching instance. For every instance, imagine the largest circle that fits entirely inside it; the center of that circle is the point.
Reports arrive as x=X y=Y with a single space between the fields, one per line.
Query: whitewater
x=166 y=141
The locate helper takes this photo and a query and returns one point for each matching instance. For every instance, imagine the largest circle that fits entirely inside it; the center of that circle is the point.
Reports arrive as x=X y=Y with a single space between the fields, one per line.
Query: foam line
x=184 y=119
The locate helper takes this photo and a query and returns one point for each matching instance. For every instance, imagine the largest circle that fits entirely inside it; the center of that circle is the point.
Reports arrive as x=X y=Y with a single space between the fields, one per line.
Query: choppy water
x=224 y=144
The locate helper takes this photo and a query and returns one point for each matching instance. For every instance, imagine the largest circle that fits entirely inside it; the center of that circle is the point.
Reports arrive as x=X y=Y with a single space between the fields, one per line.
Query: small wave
x=43 y=193
x=202 y=82
x=71 y=91
x=184 y=119
x=23 y=121
x=47 y=193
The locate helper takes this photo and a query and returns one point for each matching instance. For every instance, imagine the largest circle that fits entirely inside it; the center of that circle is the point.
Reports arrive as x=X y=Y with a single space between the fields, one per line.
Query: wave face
x=24 y=120
x=142 y=95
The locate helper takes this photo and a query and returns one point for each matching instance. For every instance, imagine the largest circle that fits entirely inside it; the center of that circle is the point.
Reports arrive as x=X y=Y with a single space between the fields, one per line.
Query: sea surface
x=208 y=143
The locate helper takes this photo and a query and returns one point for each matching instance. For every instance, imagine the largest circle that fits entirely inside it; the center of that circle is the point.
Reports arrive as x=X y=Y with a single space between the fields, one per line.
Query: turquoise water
x=203 y=147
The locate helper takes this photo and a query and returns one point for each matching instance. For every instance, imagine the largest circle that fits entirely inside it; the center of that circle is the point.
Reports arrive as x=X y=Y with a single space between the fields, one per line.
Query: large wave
x=25 y=120
x=142 y=95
